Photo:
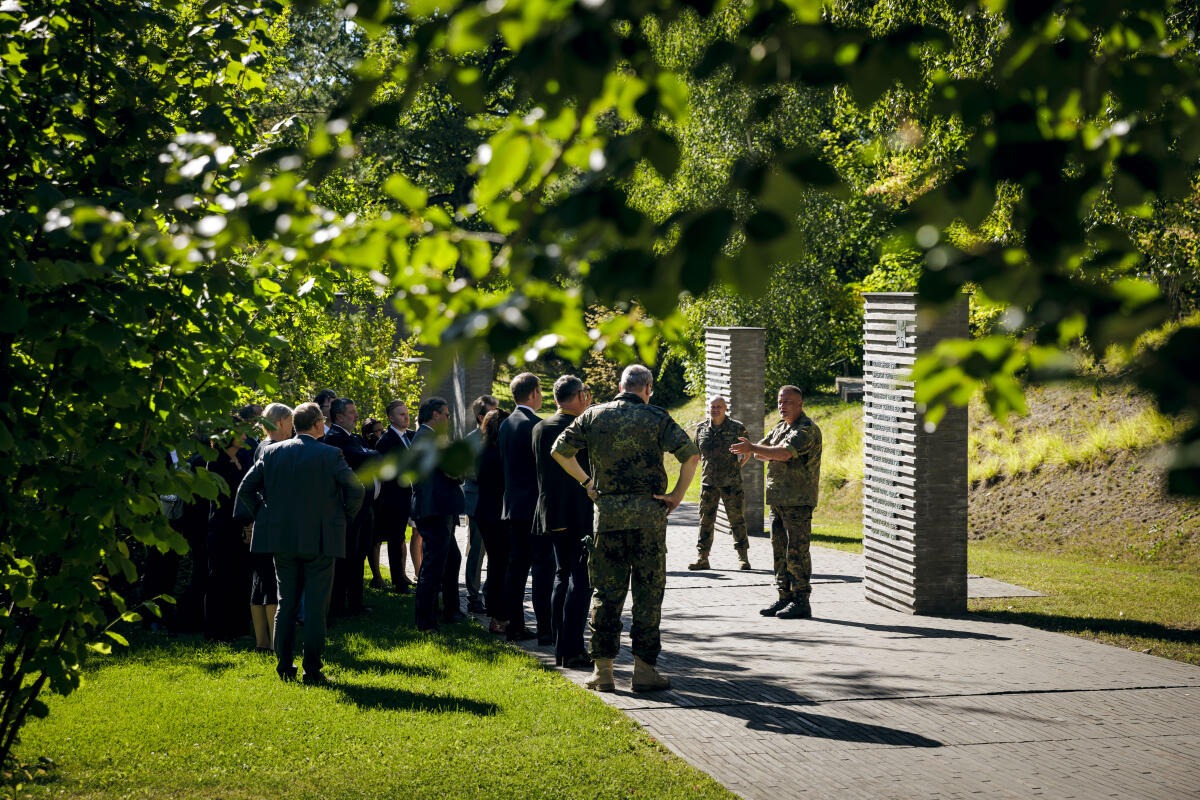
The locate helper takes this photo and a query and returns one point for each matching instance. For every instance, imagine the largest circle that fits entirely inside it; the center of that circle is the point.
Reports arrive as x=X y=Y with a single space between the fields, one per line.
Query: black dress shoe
x=316 y=679
x=456 y=616
x=286 y=675
x=577 y=661
x=519 y=635
x=797 y=609
x=476 y=607
x=774 y=608
x=403 y=588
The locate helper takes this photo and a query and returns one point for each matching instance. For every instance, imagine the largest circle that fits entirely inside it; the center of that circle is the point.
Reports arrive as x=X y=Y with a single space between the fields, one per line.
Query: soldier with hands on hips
x=625 y=440
x=721 y=481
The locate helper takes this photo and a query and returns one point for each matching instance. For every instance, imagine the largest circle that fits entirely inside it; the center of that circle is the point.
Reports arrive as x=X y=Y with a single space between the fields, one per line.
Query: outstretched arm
x=763 y=452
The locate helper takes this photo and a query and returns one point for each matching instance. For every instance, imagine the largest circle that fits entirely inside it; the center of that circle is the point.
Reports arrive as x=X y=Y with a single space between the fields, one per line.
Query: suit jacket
x=301 y=495
x=396 y=497
x=438 y=494
x=562 y=502
x=520 y=467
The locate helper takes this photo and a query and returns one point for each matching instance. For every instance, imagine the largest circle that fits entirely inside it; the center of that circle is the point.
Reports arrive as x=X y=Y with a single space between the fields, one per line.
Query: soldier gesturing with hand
x=792 y=451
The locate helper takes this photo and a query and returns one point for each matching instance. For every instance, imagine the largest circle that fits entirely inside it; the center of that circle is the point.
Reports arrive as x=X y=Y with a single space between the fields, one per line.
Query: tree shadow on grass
x=390 y=699
x=1061 y=623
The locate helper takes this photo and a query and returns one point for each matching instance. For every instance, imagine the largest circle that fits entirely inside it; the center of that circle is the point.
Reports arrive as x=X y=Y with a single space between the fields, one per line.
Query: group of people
x=577 y=502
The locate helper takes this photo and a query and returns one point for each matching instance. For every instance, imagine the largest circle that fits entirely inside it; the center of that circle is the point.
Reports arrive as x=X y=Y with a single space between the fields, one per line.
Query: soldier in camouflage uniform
x=625 y=440
x=792 y=451
x=720 y=480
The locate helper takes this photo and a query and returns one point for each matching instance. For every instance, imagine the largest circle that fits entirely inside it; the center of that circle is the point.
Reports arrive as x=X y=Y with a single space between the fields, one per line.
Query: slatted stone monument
x=735 y=368
x=914 y=477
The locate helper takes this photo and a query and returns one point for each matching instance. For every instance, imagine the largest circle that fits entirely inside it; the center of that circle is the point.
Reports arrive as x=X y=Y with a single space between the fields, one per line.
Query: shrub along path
x=872 y=702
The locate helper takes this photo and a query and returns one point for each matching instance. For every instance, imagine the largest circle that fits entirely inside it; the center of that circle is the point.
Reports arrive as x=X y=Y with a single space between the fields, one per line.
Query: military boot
x=700 y=563
x=601 y=679
x=646 y=677
x=776 y=607
x=743 y=560
x=797 y=609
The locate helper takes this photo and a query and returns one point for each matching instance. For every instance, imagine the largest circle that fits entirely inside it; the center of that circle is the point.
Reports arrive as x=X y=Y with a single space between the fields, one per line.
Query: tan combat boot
x=743 y=559
x=700 y=563
x=601 y=679
x=646 y=677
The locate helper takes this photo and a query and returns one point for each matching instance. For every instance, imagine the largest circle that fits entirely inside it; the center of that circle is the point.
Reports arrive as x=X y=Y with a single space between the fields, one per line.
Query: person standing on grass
x=528 y=548
x=302 y=496
x=792 y=451
x=437 y=502
x=264 y=589
x=625 y=440
x=348 y=573
x=720 y=481
x=395 y=505
x=475 y=547
x=564 y=512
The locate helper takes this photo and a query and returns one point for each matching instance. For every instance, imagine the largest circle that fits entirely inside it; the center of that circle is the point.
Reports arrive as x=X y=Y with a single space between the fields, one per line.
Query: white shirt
x=399 y=433
x=527 y=408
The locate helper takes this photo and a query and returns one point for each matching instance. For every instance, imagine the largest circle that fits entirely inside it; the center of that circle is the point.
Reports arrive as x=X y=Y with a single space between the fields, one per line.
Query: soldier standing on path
x=625 y=440
x=721 y=480
x=792 y=451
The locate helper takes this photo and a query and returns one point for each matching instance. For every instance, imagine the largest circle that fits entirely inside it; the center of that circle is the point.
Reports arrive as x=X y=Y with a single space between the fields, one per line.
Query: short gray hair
x=276 y=413
x=636 y=377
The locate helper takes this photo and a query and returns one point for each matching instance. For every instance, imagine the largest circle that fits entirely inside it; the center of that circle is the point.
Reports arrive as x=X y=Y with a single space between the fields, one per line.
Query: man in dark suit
x=324 y=398
x=395 y=503
x=301 y=495
x=526 y=550
x=564 y=513
x=437 y=501
x=348 y=574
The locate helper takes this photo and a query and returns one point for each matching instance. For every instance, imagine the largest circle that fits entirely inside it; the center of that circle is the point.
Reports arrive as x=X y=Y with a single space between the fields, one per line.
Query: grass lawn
x=454 y=715
x=1152 y=608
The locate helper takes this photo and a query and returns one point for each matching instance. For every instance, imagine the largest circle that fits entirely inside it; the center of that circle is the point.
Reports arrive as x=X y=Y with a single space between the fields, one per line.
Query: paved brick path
x=866 y=702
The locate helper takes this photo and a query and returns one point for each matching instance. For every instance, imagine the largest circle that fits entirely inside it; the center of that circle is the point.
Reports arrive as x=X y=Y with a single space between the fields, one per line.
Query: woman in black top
x=489 y=475
x=226 y=616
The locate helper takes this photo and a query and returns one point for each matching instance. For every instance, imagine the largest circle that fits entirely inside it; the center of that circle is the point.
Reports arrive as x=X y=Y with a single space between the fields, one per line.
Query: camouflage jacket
x=720 y=467
x=625 y=440
x=794 y=482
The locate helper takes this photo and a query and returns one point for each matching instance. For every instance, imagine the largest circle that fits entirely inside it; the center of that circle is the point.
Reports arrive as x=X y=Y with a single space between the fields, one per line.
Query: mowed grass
x=454 y=715
x=1151 y=608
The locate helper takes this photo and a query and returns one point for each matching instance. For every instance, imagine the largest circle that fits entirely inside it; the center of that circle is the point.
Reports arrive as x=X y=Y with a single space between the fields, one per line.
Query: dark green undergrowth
x=452 y=715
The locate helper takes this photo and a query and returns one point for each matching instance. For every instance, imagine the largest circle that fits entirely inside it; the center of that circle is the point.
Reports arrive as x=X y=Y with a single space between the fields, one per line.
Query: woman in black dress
x=226 y=616
x=489 y=475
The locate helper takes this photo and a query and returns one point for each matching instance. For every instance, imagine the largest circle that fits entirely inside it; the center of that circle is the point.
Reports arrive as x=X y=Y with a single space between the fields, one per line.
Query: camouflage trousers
x=735 y=508
x=616 y=557
x=791 y=528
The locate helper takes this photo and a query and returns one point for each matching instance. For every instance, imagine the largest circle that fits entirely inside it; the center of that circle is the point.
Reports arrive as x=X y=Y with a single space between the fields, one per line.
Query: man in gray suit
x=301 y=495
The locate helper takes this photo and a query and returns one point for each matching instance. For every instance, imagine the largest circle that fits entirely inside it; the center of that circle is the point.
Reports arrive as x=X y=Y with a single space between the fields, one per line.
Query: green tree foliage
x=353 y=348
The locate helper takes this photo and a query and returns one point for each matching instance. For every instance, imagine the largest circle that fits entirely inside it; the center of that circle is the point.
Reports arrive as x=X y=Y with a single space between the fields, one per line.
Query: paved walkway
x=866 y=702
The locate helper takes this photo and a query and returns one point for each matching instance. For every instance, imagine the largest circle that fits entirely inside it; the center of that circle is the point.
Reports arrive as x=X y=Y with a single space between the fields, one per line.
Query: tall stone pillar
x=914 y=479
x=460 y=387
x=735 y=368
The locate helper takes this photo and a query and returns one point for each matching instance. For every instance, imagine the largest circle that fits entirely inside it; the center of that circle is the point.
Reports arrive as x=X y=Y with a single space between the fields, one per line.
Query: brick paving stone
x=862 y=701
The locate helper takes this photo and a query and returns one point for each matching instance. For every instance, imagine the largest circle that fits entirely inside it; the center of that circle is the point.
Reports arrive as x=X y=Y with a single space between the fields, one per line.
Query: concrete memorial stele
x=914 y=475
x=735 y=368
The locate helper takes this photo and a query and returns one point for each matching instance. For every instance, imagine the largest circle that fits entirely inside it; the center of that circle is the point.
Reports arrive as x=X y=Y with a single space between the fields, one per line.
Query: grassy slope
x=456 y=715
